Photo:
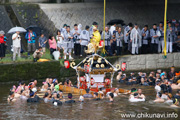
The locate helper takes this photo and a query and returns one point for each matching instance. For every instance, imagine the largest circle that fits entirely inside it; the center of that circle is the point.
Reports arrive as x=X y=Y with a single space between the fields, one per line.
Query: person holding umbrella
x=31 y=36
x=16 y=45
x=2 y=45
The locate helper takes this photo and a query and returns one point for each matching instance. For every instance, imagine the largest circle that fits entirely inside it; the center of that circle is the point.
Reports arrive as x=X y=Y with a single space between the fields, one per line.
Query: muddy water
x=92 y=110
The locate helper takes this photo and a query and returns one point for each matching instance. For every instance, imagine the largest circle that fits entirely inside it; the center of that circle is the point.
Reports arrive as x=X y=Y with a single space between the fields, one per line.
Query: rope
x=165 y=27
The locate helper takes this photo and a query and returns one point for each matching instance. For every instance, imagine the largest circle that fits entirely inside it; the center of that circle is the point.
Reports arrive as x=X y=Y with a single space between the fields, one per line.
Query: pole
x=104 y=27
x=165 y=27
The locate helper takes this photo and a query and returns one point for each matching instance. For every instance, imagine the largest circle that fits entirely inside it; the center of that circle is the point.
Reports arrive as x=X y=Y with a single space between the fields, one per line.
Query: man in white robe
x=136 y=39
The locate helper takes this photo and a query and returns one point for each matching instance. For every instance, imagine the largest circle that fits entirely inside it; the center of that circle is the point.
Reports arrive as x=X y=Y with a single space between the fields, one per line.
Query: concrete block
x=177 y=63
x=152 y=57
x=176 y=56
x=141 y=60
x=151 y=64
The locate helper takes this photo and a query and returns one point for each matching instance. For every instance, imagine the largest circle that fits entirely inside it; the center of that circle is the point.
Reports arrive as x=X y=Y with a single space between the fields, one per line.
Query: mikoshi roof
x=97 y=65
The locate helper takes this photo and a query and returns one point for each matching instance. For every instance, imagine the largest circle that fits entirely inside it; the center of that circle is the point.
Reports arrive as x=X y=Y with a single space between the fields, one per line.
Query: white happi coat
x=136 y=37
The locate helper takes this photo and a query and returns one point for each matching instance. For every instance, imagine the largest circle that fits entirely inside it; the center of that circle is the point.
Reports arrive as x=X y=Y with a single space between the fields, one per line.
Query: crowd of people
x=164 y=84
x=128 y=39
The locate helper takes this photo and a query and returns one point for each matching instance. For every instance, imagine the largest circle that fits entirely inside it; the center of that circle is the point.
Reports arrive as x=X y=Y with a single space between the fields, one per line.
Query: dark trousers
x=83 y=48
x=113 y=47
x=108 y=50
x=119 y=50
x=77 y=49
x=154 y=48
x=2 y=50
x=144 y=49
x=176 y=47
x=52 y=50
x=125 y=48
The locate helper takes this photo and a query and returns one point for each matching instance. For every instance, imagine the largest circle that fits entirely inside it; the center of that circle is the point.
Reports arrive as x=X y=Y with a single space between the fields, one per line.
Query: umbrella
x=116 y=21
x=15 y=29
x=35 y=29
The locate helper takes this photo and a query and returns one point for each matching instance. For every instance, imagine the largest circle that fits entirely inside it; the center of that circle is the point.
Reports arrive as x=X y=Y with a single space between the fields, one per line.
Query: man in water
x=11 y=97
x=136 y=98
x=140 y=95
x=96 y=98
x=171 y=74
x=33 y=96
x=87 y=95
x=103 y=92
x=175 y=103
x=177 y=94
x=70 y=98
x=118 y=77
x=133 y=90
x=111 y=96
x=159 y=99
x=116 y=92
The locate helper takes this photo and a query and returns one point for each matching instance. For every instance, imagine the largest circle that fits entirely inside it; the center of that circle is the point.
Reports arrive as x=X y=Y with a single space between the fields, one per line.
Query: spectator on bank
x=106 y=35
x=42 y=42
x=119 y=41
x=37 y=54
x=155 y=34
x=94 y=24
x=145 y=38
x=113 y=41
x=59 y=38
x=127 y=36
x=170 y=38
x=112 y=29
x=16 y=45
x=31 y=40
x=63 y=29
x=176 y=44
x=52 y=44
x=68 y=42
x=84 y=40
x=161 y=38
x=76 y=33
x=136 y=39
x=2 y=45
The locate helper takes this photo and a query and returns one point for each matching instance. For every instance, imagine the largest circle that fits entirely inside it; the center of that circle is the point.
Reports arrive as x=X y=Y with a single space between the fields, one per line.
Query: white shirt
x=112 y=29
x=17 y=41
x=59 y=39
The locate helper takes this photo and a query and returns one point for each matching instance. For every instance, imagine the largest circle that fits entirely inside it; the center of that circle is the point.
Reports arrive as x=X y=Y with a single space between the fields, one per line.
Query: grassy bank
x=24 y=58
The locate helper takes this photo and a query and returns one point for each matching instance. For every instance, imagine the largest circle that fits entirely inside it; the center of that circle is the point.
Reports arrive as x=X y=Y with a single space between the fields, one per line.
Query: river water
x=92 y=110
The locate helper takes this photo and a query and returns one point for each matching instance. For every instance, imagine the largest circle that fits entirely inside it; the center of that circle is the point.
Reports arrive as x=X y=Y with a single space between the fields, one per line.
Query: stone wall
x=150 y=61
x=135 y=11
x=5 y=25
x=32 y=15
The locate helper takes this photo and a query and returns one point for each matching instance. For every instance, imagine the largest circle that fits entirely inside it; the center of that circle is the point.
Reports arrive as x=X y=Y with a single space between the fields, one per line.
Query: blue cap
x=162 y=74
x=54 y=80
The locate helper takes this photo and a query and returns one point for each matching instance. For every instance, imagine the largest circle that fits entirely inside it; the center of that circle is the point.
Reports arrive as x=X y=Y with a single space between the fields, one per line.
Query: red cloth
x=2 y=39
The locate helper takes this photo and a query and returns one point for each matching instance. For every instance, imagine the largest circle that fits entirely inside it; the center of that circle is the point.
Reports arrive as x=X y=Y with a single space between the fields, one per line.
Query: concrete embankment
x=150 y=61
x=55 y=69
